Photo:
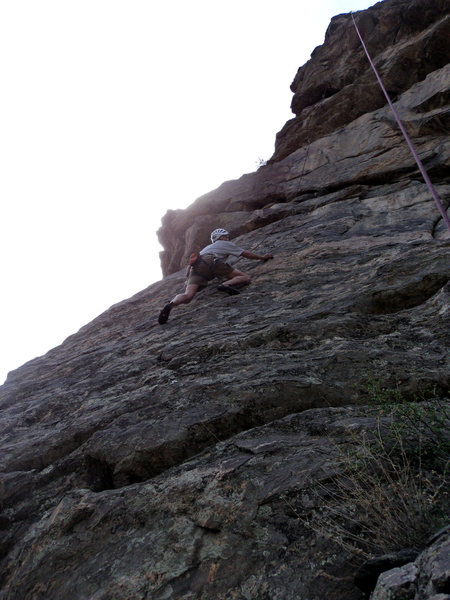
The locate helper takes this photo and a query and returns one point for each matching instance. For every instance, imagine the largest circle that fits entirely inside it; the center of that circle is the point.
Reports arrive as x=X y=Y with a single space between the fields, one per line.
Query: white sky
x=113 y=111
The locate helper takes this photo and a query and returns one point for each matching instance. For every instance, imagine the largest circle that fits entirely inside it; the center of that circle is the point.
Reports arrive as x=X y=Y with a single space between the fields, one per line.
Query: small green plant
x=392 y=490
x=422 y=424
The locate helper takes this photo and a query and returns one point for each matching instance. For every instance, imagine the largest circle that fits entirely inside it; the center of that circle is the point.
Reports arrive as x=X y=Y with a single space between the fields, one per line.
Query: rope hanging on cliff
x=405 y=134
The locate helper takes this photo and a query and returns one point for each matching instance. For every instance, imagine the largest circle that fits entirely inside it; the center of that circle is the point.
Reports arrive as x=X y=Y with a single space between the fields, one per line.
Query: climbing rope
x=405 y=134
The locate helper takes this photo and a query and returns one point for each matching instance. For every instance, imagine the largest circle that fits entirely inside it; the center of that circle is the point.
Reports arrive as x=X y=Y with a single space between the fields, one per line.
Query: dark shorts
x=222 y=269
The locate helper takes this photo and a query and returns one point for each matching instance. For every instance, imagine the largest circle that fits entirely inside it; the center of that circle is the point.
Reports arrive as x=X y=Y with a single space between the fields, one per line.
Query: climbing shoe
x=228 y=289
x=164 y=314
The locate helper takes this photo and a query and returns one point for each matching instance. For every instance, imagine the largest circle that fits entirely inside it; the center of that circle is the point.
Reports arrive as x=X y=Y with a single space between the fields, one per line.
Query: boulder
x=427 y=578
x=367 y=575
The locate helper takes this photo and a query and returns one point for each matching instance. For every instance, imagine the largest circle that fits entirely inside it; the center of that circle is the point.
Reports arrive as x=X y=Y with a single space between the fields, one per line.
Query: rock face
x=406 y=40
x=348 y=141
x=140 y=461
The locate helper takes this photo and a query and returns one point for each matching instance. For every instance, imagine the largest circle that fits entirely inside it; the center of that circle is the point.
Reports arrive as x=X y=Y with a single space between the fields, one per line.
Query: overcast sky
x=114 y=111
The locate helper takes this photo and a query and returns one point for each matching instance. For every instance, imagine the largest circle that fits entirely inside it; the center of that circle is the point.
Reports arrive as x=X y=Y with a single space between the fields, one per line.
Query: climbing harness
x=405 y=134
x=203 y=267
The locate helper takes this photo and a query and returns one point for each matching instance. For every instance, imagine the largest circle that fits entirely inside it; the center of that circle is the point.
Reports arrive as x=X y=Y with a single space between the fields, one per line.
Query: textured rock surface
x=222 y=525
x=426 y=577
x=140 y=461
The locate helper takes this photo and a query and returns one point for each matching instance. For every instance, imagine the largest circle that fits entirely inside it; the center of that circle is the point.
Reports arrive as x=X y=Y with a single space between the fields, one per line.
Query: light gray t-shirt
x=223 y=249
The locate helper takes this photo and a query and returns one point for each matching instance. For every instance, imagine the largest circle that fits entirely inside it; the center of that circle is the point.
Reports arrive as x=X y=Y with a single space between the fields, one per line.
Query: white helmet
x=217 y=233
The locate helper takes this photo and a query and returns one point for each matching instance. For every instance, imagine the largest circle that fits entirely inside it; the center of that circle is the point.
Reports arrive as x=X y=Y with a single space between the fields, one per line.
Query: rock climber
x=211 y=263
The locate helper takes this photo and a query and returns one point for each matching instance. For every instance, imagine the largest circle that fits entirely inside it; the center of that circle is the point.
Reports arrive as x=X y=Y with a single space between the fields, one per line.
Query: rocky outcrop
x=140 y=461
x=406 y=40
x=366 y=161
x=350 y=137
